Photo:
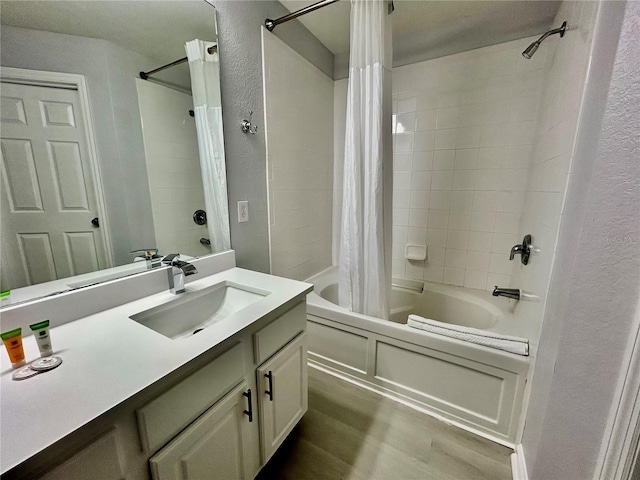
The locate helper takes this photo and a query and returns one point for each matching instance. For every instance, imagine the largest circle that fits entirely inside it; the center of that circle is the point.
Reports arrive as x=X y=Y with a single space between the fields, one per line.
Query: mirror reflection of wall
x=135 y=166
x=173 y=168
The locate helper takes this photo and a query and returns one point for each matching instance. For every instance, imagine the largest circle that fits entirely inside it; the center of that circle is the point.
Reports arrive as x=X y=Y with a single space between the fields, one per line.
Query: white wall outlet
x=243 y=211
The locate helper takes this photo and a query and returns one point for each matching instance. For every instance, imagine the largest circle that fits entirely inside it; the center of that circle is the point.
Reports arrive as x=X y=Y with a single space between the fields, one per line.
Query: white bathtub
x=473 y=386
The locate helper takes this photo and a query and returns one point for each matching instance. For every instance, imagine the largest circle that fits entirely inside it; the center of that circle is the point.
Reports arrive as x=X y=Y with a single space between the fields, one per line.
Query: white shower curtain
x=205 y=88
x=362 y=281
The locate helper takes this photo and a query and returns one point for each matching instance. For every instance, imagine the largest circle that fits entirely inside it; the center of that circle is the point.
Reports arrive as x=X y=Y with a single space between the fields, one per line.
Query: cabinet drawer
x=274 y=336
x=162 y=418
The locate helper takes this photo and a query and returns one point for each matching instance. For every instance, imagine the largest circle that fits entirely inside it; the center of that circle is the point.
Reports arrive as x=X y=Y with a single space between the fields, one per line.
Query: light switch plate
x=243 y=211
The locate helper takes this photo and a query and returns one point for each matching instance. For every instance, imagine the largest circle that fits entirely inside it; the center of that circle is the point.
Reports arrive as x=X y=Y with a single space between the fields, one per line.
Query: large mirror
x=97 y=162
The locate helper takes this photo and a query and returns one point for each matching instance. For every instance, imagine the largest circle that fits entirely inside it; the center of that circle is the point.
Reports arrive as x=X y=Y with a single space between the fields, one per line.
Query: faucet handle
x=171 y=258
x=147 y=253
x=524 y=250
x=516 y=249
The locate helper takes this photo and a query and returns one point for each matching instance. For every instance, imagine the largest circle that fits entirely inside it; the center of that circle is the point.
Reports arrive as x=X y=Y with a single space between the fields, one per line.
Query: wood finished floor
x=350 y=433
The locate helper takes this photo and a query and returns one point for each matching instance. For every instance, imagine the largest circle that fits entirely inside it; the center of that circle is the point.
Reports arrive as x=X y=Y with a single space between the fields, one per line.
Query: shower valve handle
x=523 y=250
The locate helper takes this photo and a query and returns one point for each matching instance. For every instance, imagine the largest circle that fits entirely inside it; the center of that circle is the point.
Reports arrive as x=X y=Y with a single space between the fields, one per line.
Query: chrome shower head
x=531 y=49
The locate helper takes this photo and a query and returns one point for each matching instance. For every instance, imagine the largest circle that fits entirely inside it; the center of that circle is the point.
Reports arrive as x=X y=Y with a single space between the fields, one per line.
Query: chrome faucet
x=177 y=272
x=506 y=292
x=151 y=256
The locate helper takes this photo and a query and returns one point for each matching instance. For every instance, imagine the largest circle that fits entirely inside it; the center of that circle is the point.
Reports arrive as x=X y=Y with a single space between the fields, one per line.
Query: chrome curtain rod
x=145 y=75
x=271 y=24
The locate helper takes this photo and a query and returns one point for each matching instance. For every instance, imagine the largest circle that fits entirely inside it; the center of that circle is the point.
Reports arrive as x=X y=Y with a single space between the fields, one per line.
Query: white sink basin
x=195 y=310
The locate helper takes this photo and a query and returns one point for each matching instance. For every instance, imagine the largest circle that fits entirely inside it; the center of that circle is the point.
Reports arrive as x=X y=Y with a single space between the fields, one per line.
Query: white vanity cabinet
x=100 y=460
x=222 y=442
x=283 y=400
x=217 y=446
x=176 y=408
x=210 y=419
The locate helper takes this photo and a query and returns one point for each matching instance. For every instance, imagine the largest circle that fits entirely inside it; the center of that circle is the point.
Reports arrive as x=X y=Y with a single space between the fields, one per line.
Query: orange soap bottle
x=13 y=341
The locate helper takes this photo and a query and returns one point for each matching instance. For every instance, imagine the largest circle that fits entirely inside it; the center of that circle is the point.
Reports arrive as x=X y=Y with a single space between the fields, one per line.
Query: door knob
x=95 y=222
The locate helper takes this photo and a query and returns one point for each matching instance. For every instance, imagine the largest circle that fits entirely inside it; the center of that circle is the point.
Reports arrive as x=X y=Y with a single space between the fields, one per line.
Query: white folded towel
x=517 y=345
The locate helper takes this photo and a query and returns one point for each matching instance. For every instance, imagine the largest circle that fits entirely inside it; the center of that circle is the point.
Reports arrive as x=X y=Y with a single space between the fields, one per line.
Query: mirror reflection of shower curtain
x=205 y=87
x=362 y=281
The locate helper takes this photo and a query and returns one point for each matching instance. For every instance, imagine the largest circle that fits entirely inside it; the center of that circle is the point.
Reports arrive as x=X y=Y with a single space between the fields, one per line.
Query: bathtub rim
x=482 y=298
x=317 y=306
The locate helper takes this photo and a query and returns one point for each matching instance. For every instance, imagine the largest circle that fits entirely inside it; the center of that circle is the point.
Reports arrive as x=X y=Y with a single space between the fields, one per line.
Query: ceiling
x=331 y=23
x=157 y=29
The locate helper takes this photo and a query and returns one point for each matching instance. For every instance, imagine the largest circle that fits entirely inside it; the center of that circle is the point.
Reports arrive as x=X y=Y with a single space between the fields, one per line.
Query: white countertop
x=108 y=358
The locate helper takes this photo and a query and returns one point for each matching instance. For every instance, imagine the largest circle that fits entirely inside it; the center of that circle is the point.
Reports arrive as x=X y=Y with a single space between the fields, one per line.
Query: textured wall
x=239 y=25
x=594 y=286
x=299 y=126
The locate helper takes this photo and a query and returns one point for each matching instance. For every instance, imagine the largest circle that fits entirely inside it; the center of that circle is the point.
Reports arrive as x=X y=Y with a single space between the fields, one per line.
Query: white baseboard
x=518 y=466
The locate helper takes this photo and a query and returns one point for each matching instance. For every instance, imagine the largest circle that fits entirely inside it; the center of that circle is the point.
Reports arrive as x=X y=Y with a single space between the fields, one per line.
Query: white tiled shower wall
x=565 y=72
x=299 y=132
x=466 y=127
x=339 y=129
x=463 y=132
x=173 y=166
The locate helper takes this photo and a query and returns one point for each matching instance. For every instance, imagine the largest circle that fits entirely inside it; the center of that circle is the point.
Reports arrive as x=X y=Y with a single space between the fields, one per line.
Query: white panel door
x=217 y=446
x=48 y=197
x=282 y=381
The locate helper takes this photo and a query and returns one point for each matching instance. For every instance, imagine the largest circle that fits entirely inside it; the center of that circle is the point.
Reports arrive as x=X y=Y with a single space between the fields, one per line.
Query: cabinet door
x=282 y=383
x=216 y=446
